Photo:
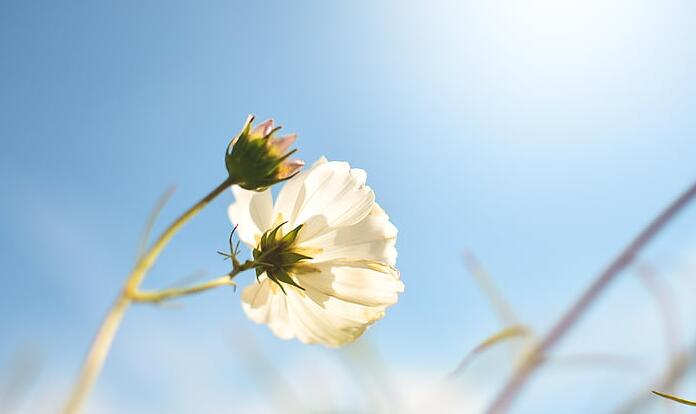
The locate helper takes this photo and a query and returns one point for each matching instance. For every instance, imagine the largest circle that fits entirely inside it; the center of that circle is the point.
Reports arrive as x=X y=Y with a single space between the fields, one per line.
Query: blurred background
x=538 y=136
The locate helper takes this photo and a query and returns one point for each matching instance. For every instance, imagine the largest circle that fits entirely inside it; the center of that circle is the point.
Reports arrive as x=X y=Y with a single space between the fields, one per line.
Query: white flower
x=330 y=251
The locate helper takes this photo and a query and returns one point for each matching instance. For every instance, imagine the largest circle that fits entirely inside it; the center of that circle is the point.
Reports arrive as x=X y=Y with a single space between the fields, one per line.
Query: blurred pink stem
x=513 y=387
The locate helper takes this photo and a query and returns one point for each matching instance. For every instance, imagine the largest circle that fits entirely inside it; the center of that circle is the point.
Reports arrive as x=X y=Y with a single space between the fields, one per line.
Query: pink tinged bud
x=289 y=168
x=263 y=129
x=256 y=159
x=281 y=144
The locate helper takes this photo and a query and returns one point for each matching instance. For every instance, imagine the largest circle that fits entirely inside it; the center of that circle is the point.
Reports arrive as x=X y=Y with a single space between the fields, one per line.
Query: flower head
x=257 y=159
x=327 y=251
x=278 y=256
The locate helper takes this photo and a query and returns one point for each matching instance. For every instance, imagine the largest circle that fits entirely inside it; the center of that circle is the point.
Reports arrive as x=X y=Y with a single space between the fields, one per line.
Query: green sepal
x=291 y=257
x=272 y=235
x=275 y=256
x=251 y=163
x=289 y=238
x=280 y=275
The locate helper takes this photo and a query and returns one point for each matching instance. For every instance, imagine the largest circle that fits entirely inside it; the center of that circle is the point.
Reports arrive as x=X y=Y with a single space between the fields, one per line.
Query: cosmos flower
x=327 y=252
x=257 y=159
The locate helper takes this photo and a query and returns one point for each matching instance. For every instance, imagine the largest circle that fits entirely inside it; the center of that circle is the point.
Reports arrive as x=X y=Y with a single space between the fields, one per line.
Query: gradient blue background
x=542 y=135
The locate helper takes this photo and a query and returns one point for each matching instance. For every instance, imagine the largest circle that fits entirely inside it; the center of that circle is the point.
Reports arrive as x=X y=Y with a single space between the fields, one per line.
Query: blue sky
x=542 y=135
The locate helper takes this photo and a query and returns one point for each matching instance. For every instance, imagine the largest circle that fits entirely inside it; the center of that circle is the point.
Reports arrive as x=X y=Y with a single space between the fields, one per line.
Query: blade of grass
x=152 y=219
x=278 y=390
x=564 y=325
x=502 y=336
x=665 y=303
x=485 y=282
x=675 y=398
x=21 y=374
x=600 y=360
x=365 y=363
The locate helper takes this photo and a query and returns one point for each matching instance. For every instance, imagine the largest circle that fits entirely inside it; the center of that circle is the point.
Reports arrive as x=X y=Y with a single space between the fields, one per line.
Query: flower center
x=276 y=256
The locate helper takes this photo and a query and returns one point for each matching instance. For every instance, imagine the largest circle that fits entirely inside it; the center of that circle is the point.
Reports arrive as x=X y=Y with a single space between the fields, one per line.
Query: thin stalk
x=97 y=355
x=148 y=259
x=94 y=361
x=666 y=306
x=165 y=294
x=162 y=295
x=571 y=317
x=502 y=308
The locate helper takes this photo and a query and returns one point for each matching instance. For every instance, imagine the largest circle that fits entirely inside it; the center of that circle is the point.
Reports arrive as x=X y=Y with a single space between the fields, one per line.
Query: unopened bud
x=256 y=159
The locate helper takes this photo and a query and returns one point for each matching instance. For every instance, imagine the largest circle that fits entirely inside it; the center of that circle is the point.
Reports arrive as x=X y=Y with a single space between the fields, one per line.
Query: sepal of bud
x=256 y=159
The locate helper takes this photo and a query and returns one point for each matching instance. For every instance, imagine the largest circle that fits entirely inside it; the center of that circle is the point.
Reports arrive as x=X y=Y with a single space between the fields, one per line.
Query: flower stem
x=571 y=317
x=162 y=295
x=97 y=354
x=165 y=294
x=148 y=259
x=102 y=342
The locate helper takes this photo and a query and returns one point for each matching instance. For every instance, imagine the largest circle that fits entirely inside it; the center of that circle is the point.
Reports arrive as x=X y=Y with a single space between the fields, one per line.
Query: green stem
x=148 y=259
x=162 y=295
x=166 y=294
x=97 y=354
x=102 y=342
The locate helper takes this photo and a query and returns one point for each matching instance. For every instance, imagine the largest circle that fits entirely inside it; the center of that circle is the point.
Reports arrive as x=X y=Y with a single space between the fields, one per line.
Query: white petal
x=337 y=192
x=314 y=324
x=286 y=203
x=252 y=213
x=311 y=316
x=350 y=280
x=265 y=303
x=374 y=238
x=362 y=282
x=332 y=195
x=348 y=311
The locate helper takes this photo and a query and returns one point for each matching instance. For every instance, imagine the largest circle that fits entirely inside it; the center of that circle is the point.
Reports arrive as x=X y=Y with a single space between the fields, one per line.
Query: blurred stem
x=511 y=332
x=571 y=317
x=666 y=305
x=485 y=282
x=102 y=342
x=97 y=354
x=152 y=219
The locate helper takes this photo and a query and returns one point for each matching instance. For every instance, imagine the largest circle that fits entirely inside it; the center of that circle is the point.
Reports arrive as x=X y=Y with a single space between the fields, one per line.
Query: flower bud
x=256 y=159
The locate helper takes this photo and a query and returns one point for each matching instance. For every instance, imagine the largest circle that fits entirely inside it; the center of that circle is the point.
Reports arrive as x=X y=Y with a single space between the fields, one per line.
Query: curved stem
x=148 y=259
x=102 y=342
x=165 y=294
x=571 y=317
x=162 y=295
x=97 y=354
